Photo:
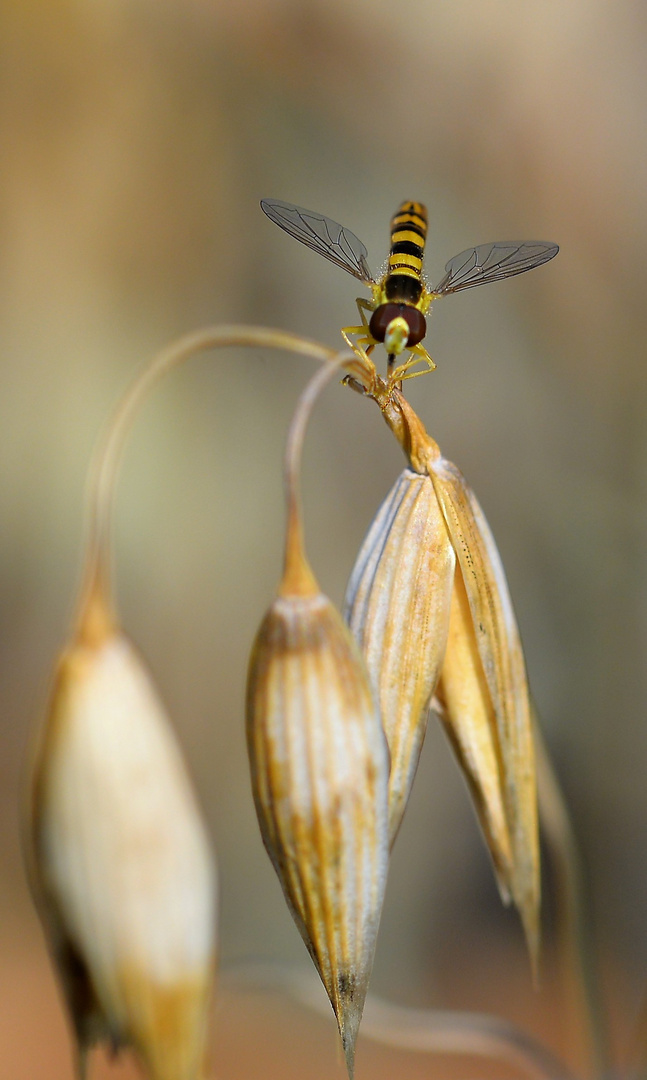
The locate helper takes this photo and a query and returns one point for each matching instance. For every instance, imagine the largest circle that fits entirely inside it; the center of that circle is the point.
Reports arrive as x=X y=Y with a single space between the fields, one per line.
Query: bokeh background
x=137 y=138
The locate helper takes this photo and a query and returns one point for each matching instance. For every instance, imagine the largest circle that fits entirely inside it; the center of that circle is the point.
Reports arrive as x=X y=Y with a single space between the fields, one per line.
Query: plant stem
x=431 y=1031
x=95 y=591
x=574 y=924
x=298 y=578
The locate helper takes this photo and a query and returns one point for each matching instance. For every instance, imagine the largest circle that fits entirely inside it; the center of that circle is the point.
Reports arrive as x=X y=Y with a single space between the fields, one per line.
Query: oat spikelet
x=121 y=863
x=320 y=765
x=482 y=688
x=397 y=605
x=494 y=629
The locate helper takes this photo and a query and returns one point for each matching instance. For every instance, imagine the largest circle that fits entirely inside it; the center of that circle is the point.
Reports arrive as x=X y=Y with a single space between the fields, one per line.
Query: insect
x=395 y=316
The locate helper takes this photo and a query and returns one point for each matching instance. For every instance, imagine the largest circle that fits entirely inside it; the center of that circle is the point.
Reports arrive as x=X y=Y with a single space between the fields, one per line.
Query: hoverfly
x=401 y=297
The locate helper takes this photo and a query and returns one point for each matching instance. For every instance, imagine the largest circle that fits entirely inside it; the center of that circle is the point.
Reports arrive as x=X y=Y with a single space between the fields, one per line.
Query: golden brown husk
x=468 y=717
x=483 y=687
x=397 y=605
x=320 y=766
x=504 y=689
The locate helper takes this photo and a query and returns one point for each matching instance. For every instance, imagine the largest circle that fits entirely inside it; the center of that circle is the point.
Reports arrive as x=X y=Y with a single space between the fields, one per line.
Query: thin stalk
x=431 y=1031
x=298 y=578
x=576 y=944
x=95 y=609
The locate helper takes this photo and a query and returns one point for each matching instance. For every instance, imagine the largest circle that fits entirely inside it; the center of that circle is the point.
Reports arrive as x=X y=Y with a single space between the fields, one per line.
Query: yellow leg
x=361 y=342
x=418 y=354
x=361 y=345
x=364 y=305
x=364 y=343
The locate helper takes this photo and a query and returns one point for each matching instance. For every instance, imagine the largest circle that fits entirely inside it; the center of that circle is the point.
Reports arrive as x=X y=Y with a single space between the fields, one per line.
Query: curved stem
x=431 y=1031
x=298 y=578
x=574 y=918
x=94 y=608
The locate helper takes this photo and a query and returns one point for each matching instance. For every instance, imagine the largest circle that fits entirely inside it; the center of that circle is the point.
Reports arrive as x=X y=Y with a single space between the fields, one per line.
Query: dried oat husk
x=505 y=693
x=320 y=767
x=482 y=685
x=465 y=708
x=121 y=862
x=397 y=602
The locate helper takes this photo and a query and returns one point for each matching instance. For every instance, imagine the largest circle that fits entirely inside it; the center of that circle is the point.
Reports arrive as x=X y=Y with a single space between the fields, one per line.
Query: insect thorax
x=402 y=289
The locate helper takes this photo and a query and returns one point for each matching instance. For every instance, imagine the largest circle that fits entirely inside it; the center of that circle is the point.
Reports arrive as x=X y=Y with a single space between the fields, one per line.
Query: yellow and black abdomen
x=403 y=283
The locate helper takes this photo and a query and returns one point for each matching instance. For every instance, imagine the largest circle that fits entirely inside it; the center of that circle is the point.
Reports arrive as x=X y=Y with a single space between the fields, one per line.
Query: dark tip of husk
x=348 y=1020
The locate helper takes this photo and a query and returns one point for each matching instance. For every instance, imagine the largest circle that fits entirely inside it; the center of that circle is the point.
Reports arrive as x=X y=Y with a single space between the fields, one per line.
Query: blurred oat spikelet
x=429 y=605
x=122 y=868
x=320 y=766
x=118 y=855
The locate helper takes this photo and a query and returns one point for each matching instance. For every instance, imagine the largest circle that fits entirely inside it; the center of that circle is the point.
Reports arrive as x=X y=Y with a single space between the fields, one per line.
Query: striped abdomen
x=408 y=235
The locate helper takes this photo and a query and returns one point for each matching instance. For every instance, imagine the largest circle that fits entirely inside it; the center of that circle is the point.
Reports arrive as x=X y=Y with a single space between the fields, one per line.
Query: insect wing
x=321 y=234
x=493 y=262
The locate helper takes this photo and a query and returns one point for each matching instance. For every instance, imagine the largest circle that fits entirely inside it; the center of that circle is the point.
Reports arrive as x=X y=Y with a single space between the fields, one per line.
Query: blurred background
x=137 y=139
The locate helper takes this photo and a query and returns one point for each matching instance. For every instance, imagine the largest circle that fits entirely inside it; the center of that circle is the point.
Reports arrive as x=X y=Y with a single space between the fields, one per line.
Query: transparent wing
x=493 y=262
x=321 y=234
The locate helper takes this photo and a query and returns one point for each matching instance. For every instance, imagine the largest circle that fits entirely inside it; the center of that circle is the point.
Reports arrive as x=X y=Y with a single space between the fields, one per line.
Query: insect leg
x=364 y=342
x=364 y=305
x=418 y=353
x=362 y=332
x=357 y=346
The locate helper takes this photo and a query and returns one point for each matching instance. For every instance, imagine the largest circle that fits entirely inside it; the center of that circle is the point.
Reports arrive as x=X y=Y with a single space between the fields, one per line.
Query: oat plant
x=337 y=706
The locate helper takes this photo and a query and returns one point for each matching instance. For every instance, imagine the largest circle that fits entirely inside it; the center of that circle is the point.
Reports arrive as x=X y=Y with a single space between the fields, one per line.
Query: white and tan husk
x=320 y=765
x=121 y=863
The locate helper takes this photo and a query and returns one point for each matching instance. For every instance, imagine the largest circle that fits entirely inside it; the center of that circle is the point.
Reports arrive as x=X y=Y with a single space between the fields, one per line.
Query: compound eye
x=382 y=317
x=417 y=325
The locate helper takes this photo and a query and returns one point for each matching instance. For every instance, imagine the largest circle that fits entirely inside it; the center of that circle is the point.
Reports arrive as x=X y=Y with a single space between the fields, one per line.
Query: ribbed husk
x=320 y=766
x=468 y=717
x=494 y=698
x=482 y=690
x=397 y=605
x=121 y=864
